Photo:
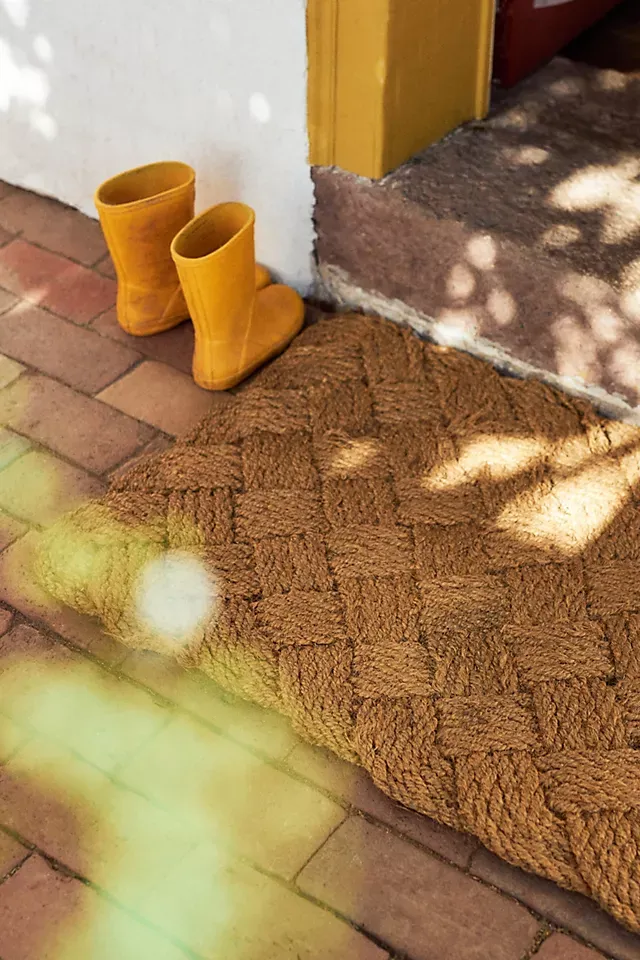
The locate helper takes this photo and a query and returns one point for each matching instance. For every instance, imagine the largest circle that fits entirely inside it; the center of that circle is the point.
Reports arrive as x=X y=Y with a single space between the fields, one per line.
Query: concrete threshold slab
x=517 y=239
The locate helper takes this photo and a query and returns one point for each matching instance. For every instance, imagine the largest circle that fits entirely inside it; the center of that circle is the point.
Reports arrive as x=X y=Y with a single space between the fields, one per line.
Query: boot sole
x=150 y=331
x=237 y=378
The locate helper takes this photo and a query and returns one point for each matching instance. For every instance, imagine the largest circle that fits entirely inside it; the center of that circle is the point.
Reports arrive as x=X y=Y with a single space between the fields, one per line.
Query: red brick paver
x=45 y=278
x=174 y=347
x=566 y=909
x=159 y=444
x=38 y=488
x=11 y=854
x=9 y=371
x=12 y=446
x=105 y=267
x=63 y=350
x=263 y=731
x=106 y=727
x=19 y=590
x=12 y=737
x=10 y=529
x=200 y=826
x=52 y=225
x=77 y=815
x=294 y=819
x=6 y=616
x=90 y=433
x=226 y=909
x=159 y=395
x=45 y=913
x=355 y=787
x=7 y=299
x=559 y=947
x=413 y=901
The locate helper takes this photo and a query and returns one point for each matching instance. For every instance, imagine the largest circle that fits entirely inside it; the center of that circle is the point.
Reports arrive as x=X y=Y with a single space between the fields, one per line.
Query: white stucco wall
x=91 y=88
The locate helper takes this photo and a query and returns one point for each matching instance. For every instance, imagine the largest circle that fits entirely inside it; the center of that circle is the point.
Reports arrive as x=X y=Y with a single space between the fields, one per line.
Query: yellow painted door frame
x=389 y=77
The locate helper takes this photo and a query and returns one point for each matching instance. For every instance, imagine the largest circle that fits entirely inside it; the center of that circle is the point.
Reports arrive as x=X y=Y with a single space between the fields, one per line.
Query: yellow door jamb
x=389 y=77
x=322 y=38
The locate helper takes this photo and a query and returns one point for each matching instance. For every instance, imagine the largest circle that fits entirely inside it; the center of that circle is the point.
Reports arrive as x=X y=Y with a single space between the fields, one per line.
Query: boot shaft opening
x=143 y=183
x=213 y=230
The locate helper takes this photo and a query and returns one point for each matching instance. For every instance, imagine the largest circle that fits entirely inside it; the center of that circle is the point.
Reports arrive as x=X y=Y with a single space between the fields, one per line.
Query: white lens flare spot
x=19 y=81
x=175 y=595
x=43 y=124
x=17 y=12
x=259 y=108
x=43 y=49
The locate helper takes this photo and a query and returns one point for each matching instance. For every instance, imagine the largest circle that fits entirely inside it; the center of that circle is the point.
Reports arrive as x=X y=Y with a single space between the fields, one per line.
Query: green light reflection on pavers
x=155 y=810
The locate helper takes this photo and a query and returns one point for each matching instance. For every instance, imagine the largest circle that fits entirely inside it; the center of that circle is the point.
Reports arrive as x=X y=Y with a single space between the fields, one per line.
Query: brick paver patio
x=143 y=813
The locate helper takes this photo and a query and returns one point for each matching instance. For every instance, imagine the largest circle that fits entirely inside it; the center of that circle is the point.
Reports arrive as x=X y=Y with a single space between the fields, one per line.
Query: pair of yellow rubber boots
x=171 y=265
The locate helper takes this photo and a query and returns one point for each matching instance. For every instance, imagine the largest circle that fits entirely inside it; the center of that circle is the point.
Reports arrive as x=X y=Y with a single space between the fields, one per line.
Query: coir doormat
x=429 y=568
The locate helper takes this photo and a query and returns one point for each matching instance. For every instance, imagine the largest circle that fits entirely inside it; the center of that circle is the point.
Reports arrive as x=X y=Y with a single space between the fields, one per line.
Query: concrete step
x=517 y=238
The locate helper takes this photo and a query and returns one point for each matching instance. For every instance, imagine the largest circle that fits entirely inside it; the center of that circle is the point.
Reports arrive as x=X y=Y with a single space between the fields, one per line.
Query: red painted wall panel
x=530 y=32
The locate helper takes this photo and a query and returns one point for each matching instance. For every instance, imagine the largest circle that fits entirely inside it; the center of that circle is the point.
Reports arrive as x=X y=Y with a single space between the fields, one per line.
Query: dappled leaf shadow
x=517 y=238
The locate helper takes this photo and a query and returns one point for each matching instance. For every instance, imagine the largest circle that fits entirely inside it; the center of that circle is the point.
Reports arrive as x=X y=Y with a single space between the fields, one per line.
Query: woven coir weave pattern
x=430 y=568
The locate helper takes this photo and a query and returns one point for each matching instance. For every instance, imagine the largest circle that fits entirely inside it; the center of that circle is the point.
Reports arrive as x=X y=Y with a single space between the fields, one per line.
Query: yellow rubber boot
x=237 y=327
x=263 y=277
x=141 y=211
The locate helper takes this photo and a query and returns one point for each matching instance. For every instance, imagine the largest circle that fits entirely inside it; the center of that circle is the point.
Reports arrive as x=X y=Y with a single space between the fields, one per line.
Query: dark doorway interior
x=613 y=43
x=530 y=32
